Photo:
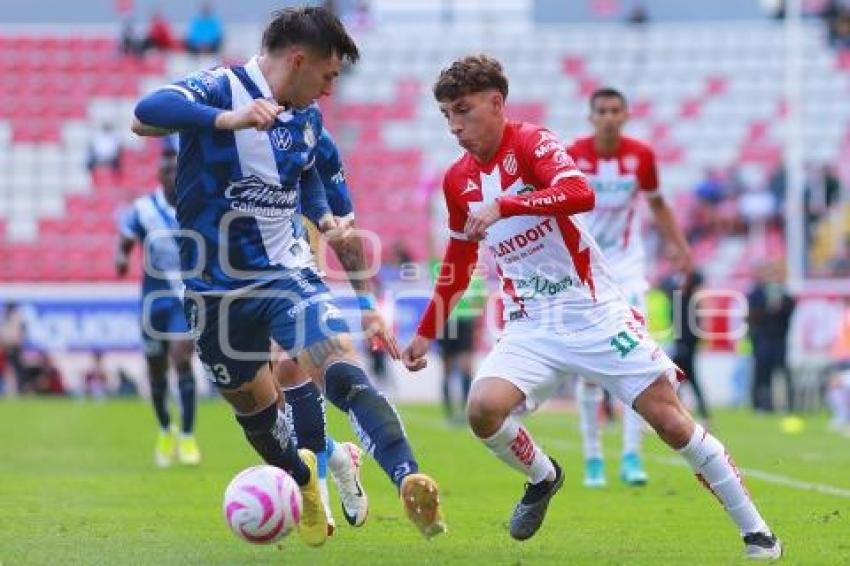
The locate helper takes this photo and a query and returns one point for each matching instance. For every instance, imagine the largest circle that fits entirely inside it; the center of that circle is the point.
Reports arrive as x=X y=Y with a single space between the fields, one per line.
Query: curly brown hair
x=471 y=74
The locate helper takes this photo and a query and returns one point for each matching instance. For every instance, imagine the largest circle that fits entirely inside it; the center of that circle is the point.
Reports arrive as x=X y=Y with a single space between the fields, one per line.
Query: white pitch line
x=767 y=477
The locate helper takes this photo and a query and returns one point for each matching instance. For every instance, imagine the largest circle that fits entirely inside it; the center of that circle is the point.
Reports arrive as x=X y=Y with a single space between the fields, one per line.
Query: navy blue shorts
x=163 y=321
x=233 y=331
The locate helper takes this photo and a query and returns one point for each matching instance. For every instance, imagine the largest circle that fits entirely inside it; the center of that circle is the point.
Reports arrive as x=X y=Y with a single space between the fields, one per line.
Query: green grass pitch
x=78 y=486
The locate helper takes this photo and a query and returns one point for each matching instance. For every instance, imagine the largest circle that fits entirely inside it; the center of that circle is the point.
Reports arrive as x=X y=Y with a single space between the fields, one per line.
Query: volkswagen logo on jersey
x=281 y=138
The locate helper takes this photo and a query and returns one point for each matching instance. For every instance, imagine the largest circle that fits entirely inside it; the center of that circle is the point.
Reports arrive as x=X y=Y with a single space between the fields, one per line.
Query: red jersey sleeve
x=547 y=156
x=647 y=172
x=458 y=213
x=564 y=189
x=459 y=261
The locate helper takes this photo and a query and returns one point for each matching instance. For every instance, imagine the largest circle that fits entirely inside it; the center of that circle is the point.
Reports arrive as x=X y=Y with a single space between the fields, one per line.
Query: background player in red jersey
x=620 y=169
x=517 y=190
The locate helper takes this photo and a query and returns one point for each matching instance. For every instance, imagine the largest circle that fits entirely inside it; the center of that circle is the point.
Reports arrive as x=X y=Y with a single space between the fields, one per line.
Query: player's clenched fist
x=414 y=355
x=260 y=114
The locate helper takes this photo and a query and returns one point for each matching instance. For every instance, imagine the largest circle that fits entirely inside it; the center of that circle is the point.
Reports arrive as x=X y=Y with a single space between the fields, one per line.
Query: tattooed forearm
x=351 y=255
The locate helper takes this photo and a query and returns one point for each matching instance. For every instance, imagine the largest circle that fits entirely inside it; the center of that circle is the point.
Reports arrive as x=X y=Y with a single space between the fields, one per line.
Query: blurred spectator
x=830 y=184
x=160 y=35
x=206 y=32
x=742 y=372
x=774 y=8
x=95 y=381
x=126 y=386
x=457 y=345
x=839 y=30
x=734 y=183
x=12 y=337
x=703 y=218
x=711 y=189
x=638 y=15
x=133 y=40
x=777 y=184
x=105 y=148
x=400 y=255
x=682 y=287
x=839 y=265
x=838 y=392
x=4 y=380
x=822 y=190
x=770 y=310
x=46 y=378
x=757 y=206
x=831 y=13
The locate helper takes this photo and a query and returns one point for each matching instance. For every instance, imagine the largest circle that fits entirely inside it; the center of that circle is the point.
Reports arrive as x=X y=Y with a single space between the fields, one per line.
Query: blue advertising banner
x=86 y=322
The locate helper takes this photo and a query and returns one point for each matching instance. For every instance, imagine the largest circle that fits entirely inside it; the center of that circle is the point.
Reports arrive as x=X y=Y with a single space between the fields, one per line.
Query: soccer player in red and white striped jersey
x=518 y=191
x=621 y=169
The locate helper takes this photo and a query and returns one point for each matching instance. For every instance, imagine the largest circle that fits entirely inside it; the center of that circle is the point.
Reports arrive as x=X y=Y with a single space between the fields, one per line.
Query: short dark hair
x=313 y=27
x=471 y=74
x=607 y=92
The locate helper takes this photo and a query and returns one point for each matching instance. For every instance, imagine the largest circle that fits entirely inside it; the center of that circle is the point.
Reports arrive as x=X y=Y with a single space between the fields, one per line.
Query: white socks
x=513 y=445
x=838 y=399
x=632 y=431
x=588 y=397
x=715 y=469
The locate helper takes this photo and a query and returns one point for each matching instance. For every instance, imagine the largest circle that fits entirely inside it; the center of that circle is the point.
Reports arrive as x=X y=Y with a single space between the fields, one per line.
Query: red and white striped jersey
x=618 y=180
x=552 y=272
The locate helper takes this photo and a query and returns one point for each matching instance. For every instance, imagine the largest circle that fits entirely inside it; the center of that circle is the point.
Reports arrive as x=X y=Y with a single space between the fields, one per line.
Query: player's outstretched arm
x=148 y=131
x=455 y=274
x=670 y=230
x=130 y=231
x=171 y=109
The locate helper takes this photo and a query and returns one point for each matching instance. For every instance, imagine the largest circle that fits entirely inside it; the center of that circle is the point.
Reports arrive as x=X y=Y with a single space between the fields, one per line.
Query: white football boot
x=344 y=464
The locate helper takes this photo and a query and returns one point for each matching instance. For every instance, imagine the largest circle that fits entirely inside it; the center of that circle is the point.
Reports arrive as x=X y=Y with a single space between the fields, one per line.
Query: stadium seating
x=706 y=95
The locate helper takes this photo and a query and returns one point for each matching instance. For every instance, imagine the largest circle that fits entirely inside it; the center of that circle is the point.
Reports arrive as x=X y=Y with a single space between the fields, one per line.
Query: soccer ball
x=262 y=504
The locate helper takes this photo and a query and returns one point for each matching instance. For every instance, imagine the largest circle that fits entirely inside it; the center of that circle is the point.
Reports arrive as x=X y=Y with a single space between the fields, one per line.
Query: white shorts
x=617 y=353
x=635 y=293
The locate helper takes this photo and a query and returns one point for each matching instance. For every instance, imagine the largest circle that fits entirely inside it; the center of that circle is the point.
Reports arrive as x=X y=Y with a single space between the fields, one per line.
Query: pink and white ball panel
x=262 y=504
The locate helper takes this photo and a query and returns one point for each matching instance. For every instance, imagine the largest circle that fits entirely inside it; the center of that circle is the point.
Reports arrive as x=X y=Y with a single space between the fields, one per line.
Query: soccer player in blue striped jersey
x=247 y=148
x=304 y=401
x=152 y=221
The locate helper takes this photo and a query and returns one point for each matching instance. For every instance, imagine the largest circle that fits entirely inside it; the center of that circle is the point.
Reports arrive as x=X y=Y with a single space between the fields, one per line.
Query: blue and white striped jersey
x=153 y=222
x=238 y=192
